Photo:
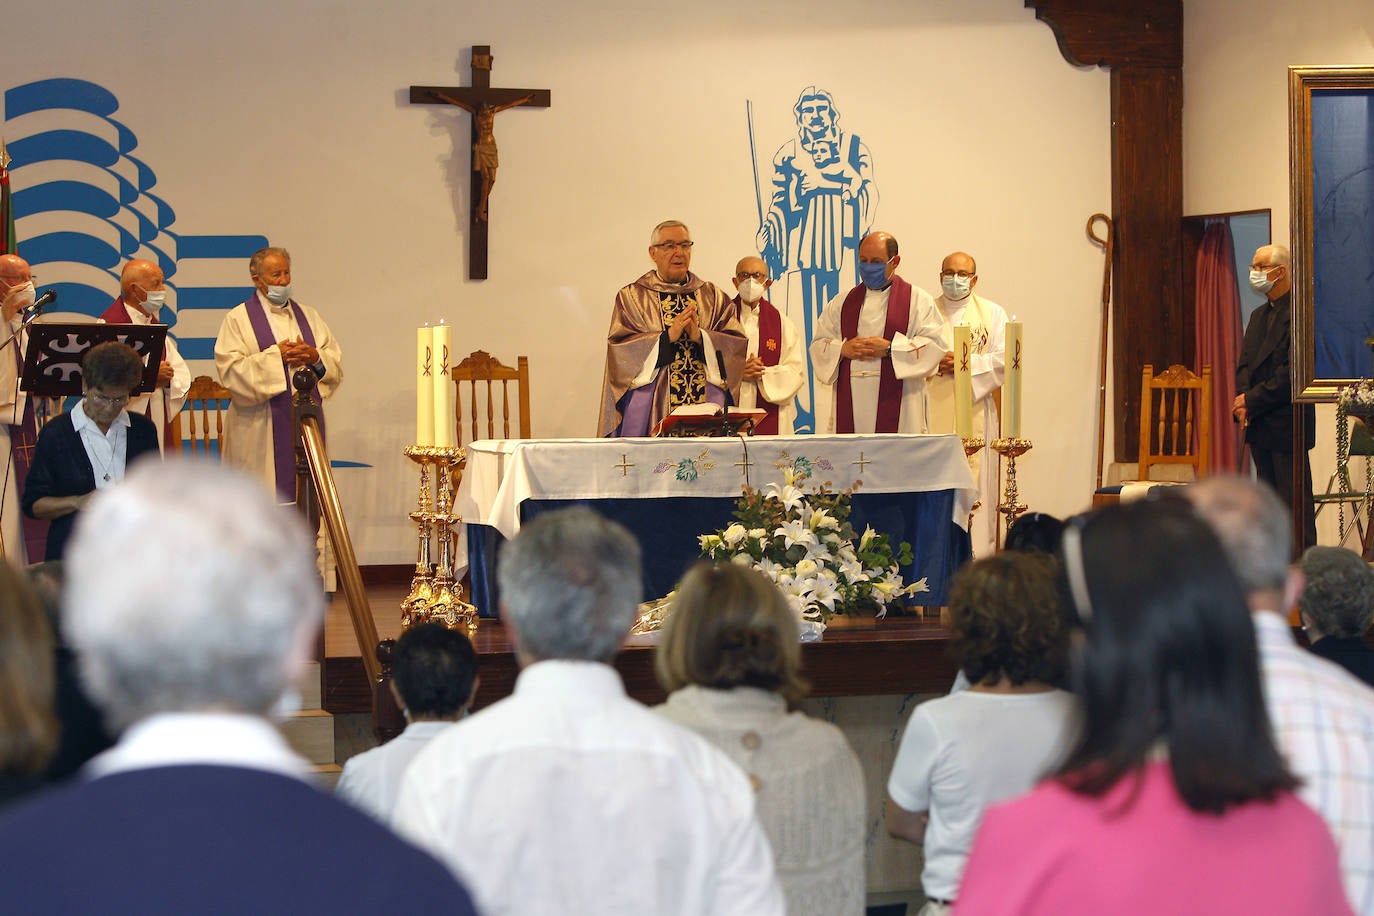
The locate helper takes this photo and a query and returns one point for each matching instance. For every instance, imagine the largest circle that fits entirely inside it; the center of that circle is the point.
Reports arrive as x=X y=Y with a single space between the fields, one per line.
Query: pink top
x=1053 y=851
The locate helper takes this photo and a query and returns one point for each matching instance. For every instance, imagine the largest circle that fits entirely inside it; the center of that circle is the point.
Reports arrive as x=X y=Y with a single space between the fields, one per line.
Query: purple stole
x=283 y=442
x=889 y=386
x=770 y=351
x=23 y=438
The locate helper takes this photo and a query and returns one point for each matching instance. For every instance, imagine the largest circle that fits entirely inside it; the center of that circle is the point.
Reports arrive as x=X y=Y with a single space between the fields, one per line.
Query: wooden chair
x=206 y=398
x=481 y=368
x=1175 y=419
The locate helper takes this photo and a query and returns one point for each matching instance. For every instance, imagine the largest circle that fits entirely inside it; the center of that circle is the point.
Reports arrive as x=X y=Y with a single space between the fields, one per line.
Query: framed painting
x=1331 y=178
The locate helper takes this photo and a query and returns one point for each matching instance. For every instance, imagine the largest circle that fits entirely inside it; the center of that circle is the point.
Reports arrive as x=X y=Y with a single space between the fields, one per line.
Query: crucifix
x=483 y=103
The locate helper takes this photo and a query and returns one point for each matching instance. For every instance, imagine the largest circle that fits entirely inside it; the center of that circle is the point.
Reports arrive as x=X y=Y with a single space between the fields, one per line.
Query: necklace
x=94 y=451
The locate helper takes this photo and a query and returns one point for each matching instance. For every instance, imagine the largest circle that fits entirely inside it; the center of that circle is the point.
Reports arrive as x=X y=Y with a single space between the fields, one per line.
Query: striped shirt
x=1323 y=721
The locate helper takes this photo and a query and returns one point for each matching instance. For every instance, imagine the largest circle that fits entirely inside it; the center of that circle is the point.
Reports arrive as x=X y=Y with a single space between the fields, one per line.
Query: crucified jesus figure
x=484 y=157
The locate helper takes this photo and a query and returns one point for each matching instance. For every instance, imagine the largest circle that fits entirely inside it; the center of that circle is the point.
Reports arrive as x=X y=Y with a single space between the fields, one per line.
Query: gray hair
x=189 y=588
x=1254 y=527
x=262 y=254
x=570 y=585
x=667 y=224
x=1339 y=596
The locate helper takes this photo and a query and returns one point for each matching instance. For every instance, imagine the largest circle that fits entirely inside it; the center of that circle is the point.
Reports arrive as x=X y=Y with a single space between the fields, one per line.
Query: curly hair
x=1004 y=619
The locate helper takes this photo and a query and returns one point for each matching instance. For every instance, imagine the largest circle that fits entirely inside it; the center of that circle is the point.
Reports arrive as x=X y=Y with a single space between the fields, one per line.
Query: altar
x=914 y=488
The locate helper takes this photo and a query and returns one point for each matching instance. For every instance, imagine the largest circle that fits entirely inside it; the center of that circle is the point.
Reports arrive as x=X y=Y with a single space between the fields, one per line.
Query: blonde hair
x=730 y=627
x=28 y=725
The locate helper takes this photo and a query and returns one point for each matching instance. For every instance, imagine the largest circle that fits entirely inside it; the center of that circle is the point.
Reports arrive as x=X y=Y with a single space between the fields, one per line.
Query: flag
x=8 y=242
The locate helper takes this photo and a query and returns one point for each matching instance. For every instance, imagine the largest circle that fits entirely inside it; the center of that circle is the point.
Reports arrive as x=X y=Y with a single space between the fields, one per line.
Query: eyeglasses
x=759 y=275
x=961 y=274
x=1264 y=267
x=674 y=246
x=107 y=400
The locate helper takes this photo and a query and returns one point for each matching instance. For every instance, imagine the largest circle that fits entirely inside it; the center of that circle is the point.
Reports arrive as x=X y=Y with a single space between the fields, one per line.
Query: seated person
x=1336 y=605
x=28 y=727
x=1175 y=791
x=730 y=658
x=997 y=738
x=89 y=447
x=434 y=679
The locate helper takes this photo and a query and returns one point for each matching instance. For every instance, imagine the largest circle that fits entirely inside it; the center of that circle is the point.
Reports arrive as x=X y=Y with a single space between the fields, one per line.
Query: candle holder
x=434 y=596
x=1011 y=448
x=972 y=446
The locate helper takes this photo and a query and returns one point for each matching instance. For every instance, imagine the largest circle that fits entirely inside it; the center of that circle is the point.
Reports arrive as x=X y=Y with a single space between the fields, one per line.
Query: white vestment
x=780 y=383
x=915 y=353
x=165 y=402
x=254 y=376
x=12 y=402
x=569 y=797
x=987 y=323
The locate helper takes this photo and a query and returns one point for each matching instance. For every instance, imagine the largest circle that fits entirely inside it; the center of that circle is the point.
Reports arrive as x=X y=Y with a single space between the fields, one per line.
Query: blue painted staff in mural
x=822 y=204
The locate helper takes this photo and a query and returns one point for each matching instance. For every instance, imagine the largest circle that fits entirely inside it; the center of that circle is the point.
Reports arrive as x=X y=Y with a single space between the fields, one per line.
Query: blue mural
x=75 y=175
x=820 y=205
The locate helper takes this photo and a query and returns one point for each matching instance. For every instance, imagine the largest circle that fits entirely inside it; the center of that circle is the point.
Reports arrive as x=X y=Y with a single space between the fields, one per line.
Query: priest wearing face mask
x=987 y=324
x=1264 y=391
x=260 y=344
x=673 y=341
x=775 y=367
x=876 y=343
x=142 y=294
x=17 y=426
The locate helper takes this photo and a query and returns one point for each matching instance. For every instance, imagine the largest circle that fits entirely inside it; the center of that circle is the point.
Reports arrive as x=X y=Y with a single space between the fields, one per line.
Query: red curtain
x=1218 y=338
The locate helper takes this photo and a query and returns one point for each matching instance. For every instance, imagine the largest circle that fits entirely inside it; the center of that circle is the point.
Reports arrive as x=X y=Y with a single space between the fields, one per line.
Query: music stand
x=52 y=361
x=716 y=425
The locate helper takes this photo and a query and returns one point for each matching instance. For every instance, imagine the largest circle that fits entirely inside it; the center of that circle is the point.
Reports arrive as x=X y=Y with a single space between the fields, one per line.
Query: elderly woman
x=89 y=447
x=1174 y=796
x=1336 y=605
x=994 y=740
x=28 y=726
x=729 y=657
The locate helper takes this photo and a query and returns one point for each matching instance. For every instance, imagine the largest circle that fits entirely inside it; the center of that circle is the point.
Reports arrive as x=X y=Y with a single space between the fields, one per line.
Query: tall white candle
x=443 y=386
x=963 y=382
x=1011 y=389
x=424 y=386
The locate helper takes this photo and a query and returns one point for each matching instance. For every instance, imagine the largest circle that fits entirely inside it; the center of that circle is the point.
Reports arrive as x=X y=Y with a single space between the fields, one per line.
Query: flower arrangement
x=803 y=541
x=1356 y=399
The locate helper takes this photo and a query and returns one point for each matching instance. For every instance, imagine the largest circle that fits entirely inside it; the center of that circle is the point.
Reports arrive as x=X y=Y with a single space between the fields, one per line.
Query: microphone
x=46 y=299
x=720 y=364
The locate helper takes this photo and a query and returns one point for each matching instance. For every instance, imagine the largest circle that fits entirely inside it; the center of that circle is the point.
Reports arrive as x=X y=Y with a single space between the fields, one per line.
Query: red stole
x=770 y=351
x=889 y=386
x=118 y=313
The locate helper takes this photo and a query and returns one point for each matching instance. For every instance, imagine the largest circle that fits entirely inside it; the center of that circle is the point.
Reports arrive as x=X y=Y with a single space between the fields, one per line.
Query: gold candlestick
x=434 y=596
x=421 y=584
x=972 y=446
x=1011 y=448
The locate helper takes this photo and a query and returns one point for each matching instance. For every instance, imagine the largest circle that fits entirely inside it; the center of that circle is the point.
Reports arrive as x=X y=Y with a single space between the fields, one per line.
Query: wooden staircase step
x=327 y=775
x=309 y=687
x=310 y=733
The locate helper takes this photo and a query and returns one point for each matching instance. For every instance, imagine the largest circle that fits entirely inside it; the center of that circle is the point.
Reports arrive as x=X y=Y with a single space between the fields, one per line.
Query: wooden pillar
x=1142 y=44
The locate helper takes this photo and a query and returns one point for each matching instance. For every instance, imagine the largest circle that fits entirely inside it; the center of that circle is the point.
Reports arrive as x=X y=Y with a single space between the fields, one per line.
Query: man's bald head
x=751 y=268
x=1254 y=527
x=15 y=292
x=136 y=280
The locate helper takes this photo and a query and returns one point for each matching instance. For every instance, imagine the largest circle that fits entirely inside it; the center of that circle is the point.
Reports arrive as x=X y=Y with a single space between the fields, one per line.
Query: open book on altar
x=708 y=420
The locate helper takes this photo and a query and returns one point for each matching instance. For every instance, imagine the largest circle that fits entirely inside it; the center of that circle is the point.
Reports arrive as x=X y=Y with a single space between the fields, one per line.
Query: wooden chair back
x=480 y=370
x=1175 y=419
x=206 y=402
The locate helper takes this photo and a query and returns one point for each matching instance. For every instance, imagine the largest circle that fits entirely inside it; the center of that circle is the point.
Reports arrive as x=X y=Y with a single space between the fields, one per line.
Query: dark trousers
x=1276 y=469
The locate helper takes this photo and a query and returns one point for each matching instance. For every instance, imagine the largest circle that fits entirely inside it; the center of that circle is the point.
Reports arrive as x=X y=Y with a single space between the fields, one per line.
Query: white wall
x=292 y=120
x=1235 y=119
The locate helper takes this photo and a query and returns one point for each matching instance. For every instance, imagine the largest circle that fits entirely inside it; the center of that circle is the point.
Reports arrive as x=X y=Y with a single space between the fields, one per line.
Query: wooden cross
x=624 y=465
x=862 y=462
x=483 y=103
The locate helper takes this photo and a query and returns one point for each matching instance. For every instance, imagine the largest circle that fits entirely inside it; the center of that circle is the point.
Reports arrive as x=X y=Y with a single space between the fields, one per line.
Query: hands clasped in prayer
x=685 y=323
x=298 y=353
x=866 y=348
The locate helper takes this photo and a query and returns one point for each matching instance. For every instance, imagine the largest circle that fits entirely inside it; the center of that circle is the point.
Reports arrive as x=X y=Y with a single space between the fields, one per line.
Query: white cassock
x=780 y=383
x=915 y=354
x=164 y=403
x=12 y=402
x=254 y=376
x=987 y=322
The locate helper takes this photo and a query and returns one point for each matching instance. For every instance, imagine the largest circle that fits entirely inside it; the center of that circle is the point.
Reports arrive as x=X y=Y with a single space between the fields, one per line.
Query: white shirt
x=1323 y=720
x=569 y=797
x=966 y=751
x=371 y=781
x=105 y=451
x=161 y=404
x=915 y=354
x=779 y=383
x=191 y=738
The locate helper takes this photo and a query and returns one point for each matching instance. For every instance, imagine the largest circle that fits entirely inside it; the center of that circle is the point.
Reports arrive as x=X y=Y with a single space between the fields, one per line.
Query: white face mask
x=279 y=295
x=751 y=291
x=956 y=287
x=1260 y=282
x=154 y=301
x=20 y=296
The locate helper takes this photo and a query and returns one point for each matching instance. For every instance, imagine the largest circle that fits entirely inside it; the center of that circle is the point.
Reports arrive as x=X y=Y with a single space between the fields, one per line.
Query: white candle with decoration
x=1011 y=388
x=424 y=386
x=443 y=386
x=963 y=382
